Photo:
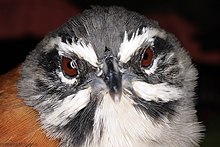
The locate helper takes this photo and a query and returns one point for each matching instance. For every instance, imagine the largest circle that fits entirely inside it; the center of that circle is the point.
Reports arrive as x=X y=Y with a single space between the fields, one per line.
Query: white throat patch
x=129 y=47
x=120 y=125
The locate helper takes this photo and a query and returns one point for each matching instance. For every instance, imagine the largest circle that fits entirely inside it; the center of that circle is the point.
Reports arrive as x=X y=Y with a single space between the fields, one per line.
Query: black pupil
x=145 y=56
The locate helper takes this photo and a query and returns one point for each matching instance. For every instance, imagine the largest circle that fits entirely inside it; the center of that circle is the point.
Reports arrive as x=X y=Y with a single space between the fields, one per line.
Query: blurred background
x=23 y=23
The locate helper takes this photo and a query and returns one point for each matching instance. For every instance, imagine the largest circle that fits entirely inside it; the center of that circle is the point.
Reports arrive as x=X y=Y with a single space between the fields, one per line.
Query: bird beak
x=113 y=78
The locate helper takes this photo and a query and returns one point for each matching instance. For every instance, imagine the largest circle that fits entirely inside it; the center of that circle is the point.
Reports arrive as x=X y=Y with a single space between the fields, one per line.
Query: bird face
x=111 y=77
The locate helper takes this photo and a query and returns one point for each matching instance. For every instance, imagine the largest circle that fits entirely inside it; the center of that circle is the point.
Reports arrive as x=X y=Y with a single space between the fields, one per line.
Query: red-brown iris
x=68 y=66
x=147 y=57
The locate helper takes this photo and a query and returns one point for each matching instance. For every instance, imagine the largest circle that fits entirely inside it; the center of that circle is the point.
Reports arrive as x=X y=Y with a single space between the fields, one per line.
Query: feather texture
x=19 y=124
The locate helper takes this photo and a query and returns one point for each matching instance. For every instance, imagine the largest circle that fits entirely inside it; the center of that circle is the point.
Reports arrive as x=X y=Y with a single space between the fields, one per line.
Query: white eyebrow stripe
x=129 y=47
x=81 y=49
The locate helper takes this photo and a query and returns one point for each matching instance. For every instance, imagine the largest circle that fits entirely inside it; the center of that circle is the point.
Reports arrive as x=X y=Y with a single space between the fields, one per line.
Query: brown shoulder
x=18 y=122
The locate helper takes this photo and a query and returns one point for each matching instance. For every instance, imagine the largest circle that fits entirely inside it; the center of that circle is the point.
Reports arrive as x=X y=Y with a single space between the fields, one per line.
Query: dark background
x=196 y=24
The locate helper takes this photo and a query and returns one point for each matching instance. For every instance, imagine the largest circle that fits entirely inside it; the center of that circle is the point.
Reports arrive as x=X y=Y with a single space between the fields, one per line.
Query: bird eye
x=147 y=57
x=69 y=67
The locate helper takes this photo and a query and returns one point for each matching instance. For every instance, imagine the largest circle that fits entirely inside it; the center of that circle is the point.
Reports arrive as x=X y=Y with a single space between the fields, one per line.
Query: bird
x=108 y=77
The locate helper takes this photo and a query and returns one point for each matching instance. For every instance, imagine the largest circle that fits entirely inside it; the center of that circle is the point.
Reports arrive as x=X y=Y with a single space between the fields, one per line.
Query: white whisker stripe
x=68 y=108
x=129 y=47
x=156 y=92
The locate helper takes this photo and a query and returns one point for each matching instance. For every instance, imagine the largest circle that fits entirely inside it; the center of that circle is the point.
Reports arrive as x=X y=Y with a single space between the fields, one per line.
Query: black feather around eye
x=49 y=61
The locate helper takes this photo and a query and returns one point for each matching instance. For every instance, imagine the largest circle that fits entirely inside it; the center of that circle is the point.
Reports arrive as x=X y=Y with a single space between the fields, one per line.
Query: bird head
x=112 y=77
